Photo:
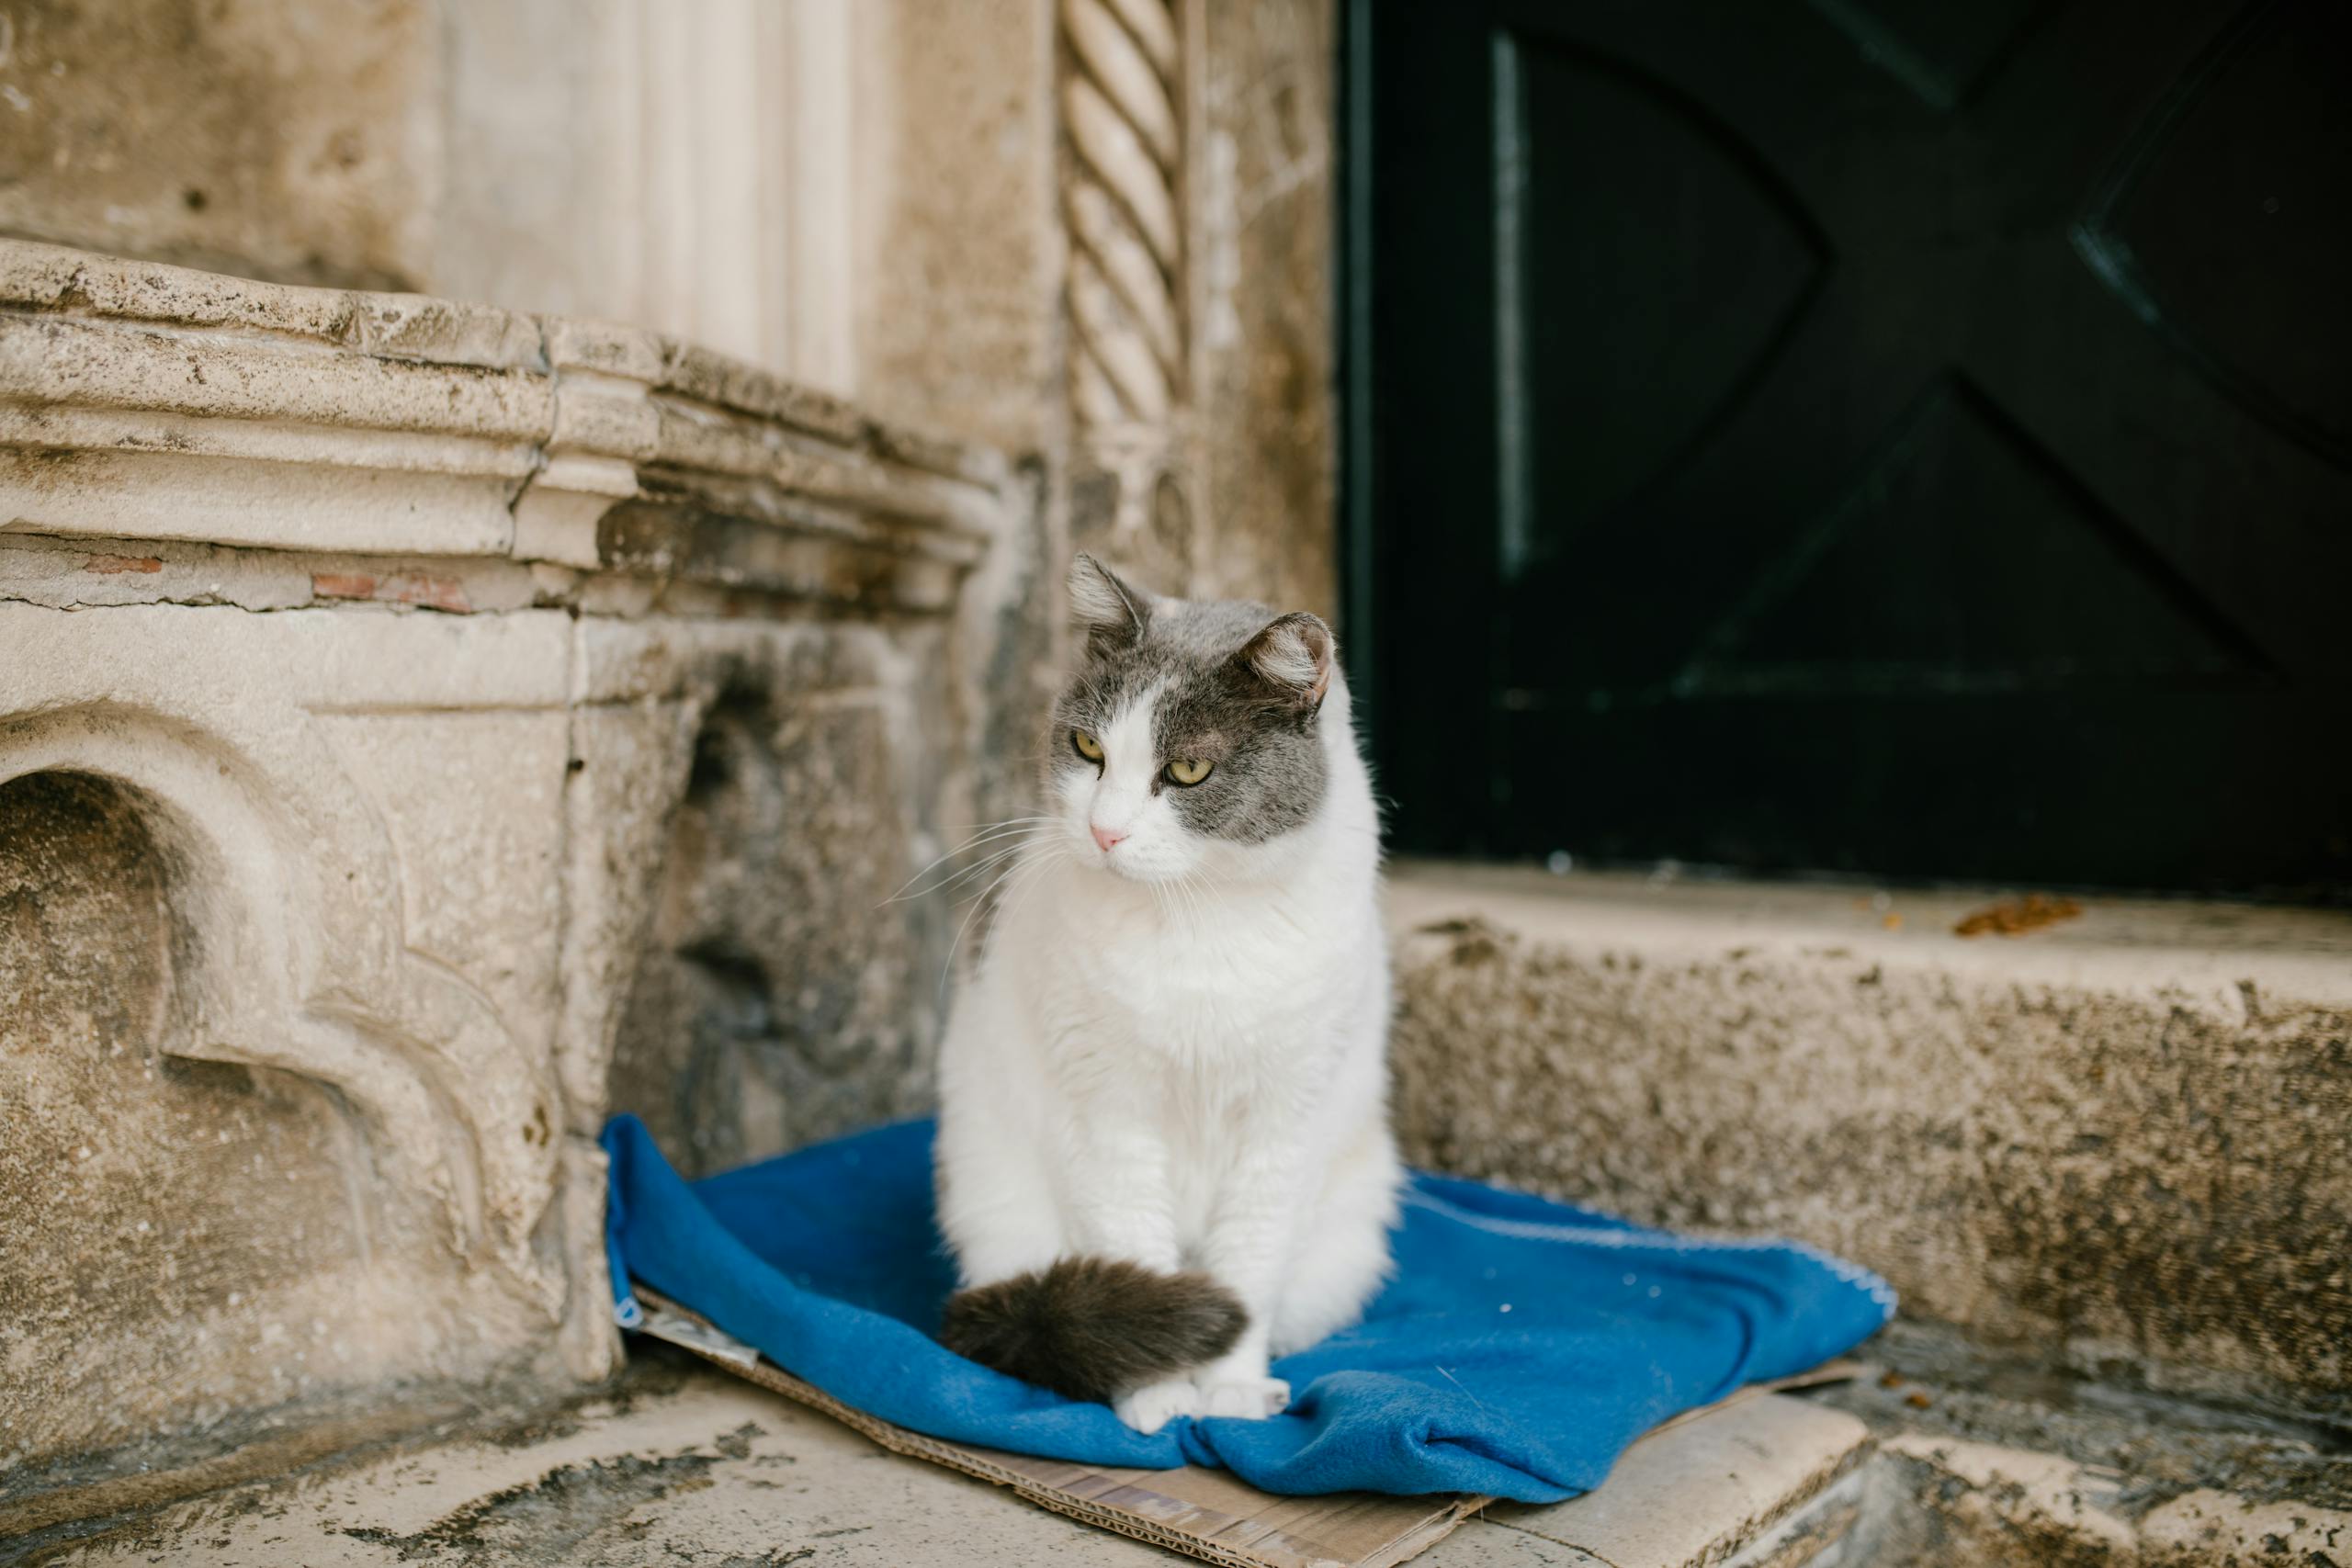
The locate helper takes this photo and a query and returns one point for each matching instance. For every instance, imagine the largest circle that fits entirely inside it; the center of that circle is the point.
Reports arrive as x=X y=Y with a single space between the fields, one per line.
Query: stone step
x=1984 y=1463
x=687 y=1465
x=2110 y=1143
x=1966 y=1503
x=1771 y=1480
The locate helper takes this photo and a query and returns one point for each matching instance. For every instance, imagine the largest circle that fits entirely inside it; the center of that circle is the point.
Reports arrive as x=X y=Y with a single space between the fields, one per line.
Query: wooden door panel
x=1873 y=383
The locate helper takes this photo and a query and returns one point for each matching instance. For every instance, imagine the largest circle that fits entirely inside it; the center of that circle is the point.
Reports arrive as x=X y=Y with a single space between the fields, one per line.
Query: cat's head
x=1190 y=733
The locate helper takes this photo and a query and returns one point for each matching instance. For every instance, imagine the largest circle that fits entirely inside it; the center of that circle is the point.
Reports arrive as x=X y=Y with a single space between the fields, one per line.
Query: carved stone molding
x=1120 y=106
x=1124 y=108
x=140 y=402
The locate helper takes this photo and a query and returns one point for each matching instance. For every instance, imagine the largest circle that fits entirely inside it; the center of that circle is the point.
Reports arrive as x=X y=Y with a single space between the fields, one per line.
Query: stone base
x=424 y=731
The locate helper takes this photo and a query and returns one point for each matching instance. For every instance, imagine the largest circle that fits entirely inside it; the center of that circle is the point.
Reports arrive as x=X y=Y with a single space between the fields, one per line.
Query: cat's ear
x=1293 y=655
x=1109 y=611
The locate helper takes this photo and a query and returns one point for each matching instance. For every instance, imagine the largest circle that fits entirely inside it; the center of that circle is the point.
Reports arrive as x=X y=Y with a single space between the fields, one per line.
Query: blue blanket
x=1522 y=1345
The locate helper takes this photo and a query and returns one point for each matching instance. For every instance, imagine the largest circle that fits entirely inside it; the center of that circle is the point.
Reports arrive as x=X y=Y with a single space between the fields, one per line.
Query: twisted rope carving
x=1119 y=198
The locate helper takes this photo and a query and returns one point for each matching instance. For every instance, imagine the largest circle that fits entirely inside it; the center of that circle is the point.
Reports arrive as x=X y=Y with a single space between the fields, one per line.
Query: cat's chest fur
x=1220 y=979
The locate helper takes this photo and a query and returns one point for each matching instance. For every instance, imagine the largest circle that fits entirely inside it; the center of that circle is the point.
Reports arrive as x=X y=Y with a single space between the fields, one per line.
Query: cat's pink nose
x=1106 y=837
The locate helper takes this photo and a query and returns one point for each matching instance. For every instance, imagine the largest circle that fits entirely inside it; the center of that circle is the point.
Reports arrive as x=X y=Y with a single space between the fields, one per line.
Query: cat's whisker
x=1011 y=880
x=980 y=896
x=981 y=867
x=989 y=832
x=977 y=902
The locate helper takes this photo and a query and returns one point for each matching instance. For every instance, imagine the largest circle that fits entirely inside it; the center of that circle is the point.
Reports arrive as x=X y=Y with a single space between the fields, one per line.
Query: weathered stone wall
x=678 y=164
x=1269 y=402
x=958 y=310
x=875 y=197
x=289 y=139
x=782 y=997
x=959 y=314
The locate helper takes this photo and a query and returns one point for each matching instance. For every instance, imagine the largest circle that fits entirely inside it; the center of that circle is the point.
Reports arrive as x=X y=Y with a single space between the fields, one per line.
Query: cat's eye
x=1188 y=772
x=1086 y=746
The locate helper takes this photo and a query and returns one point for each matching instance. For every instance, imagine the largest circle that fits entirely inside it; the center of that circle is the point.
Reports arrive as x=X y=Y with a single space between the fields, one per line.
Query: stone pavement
x=686 y=1468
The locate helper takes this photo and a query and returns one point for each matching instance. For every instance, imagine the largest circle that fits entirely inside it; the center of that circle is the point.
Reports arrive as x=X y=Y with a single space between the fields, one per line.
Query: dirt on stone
x=2014 y=917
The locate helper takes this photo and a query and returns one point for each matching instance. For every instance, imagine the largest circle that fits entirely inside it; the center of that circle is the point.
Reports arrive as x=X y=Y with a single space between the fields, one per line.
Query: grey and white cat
x=1164 y=1154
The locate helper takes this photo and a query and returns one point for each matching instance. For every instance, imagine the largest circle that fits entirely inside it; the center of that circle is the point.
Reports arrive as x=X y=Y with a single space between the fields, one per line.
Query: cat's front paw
x=1252 y=1399
x=1155 y=1405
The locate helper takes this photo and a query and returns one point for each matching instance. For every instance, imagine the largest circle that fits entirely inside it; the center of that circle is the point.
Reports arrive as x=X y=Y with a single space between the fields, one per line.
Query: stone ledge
x=2114 y=1143
x=2148 y=943
x=1986 y=1461
x=153 y=402
x=1984 y=1502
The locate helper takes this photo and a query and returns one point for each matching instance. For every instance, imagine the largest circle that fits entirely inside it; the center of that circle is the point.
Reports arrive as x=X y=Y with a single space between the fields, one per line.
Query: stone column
x=1125 y=105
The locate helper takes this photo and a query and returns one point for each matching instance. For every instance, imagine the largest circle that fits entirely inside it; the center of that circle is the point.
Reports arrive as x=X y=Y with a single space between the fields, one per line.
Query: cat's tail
x=1094 y=1327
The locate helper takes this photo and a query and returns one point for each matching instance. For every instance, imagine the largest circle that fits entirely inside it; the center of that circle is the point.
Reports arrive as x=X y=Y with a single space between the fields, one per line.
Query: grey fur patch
x=1094 y=1327
x=1232 y=698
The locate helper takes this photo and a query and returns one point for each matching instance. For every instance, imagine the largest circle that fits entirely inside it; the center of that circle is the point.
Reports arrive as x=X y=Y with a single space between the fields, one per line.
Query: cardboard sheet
x=1201 y=1513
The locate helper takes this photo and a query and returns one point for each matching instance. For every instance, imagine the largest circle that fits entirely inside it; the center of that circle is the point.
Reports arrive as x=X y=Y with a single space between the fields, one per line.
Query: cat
x=1164 y=1154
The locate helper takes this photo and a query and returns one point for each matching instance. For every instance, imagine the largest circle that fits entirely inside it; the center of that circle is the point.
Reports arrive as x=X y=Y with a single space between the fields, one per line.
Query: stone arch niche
x=147 y=1197
x=230 y=1188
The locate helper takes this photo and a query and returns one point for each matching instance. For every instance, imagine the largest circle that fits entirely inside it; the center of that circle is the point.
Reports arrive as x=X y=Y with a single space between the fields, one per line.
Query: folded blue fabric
x=1522 y=1345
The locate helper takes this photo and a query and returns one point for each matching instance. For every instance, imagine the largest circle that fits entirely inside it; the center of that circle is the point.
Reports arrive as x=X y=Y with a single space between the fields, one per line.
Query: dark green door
x=1904 y=437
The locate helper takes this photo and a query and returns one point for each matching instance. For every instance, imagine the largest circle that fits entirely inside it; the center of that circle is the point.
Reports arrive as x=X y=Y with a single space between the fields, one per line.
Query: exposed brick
x=433 y=593
x=343 y=585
